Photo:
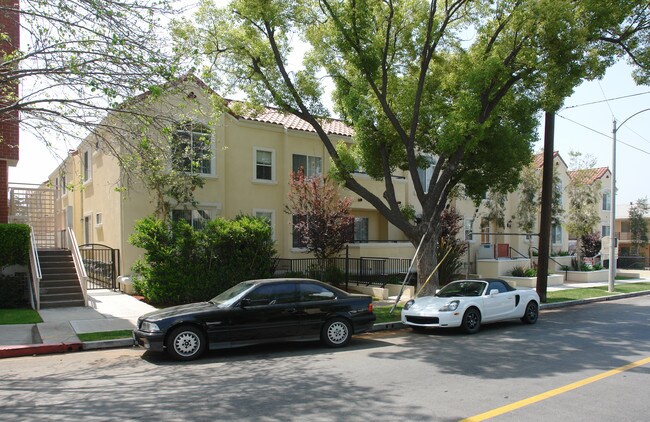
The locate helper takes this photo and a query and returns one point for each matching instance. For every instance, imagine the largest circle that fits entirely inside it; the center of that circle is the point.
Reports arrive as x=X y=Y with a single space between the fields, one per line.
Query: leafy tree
x=583 y=195
x=638 y=224
x=459 y=80
x=323 y=222
x=496 y=208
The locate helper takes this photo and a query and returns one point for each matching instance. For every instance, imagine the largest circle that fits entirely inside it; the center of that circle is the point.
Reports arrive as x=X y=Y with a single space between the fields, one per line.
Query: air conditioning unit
x=485 y=251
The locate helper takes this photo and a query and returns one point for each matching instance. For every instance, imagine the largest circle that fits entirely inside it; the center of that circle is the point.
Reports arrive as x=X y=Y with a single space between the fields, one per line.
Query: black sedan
x=257 y=311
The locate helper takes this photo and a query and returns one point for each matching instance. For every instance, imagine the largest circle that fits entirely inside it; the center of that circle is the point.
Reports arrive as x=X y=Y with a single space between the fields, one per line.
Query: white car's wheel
x=531 y=314
x=471 y=321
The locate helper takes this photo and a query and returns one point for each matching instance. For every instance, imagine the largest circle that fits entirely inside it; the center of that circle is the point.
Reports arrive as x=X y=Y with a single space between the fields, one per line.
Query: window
x=607 y=201
x=57 y=188
x=273 y=294
x=468 y=225
x=426 y=173
x=314 y=292
x=485 y=230
x=98 y=219
x=88 y=234
x=625 y=226
x=556 y=233
x=297 y=240
x=191 y=149
x=64 y=185
x=311 y=165
x=87 y=166
x=264 y=164
x=268 y=215
x=361 y=229
x=604 y=230
x=196 y=218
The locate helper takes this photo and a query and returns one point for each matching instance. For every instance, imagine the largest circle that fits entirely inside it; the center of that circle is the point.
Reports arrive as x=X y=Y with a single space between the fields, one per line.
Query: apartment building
x=251 y=158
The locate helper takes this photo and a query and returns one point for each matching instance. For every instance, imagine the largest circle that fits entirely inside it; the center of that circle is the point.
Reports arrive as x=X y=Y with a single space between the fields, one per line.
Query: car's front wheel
x=471 y=321
x=336 y=332
x=531 y=314
x=186 y=343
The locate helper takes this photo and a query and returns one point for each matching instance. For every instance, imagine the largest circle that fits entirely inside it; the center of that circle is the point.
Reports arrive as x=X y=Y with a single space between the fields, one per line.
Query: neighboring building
x=624 y=235
x=603 y=176
x=9 y=43
x=248 y=173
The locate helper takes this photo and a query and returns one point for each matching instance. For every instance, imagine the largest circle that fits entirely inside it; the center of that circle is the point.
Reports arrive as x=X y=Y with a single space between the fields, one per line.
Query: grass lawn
x=591 y=292
x=382 y=313
x=19 y=316
x=105 y=335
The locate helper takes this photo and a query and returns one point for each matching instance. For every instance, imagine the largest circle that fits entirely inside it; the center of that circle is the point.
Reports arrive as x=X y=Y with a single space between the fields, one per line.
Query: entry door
x=88 y=229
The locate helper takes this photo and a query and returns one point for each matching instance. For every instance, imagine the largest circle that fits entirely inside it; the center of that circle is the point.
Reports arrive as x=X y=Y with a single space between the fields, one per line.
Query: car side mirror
x=494 y=292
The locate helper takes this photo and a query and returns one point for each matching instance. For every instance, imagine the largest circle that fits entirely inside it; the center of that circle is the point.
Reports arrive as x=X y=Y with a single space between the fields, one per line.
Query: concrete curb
x=108 y=344
x=38 y=349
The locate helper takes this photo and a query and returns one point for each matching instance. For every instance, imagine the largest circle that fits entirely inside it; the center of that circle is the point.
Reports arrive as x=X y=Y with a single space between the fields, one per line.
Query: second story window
x=312 y=166
x=191 y=149
x=607 y=201
x=263 y=164
x=87 y=165
x=426 y=173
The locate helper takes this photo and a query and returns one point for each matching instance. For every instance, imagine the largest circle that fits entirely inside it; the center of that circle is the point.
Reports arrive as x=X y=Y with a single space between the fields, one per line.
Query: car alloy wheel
x=336 y=332
x=471 y=321
x=186 y=343
x=531 y=314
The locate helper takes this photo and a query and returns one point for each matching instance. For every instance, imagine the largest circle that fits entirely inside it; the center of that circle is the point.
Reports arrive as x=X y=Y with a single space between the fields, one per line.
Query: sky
x=584 y=125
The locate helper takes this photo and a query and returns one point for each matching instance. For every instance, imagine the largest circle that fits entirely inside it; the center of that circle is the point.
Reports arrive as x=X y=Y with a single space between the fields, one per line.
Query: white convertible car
x=470 y=303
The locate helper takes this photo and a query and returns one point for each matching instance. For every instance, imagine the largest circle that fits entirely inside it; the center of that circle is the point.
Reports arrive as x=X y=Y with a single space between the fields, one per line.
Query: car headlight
x=149 y=327
x=408 y=304
x=451 y=306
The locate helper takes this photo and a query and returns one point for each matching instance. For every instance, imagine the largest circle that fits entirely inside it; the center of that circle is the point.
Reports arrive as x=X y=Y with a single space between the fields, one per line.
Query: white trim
x=101 y=220
x=254 y=178
x=88 y=237
x=87 y=152
x=267 y=211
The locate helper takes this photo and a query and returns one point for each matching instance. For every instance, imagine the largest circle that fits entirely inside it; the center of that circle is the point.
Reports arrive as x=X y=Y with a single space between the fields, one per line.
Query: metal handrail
x=78 y=262
x=550 y=257
x=37 y=275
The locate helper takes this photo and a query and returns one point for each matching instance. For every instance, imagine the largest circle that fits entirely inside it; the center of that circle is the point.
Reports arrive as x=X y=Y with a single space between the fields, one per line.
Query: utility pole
x=547 y=200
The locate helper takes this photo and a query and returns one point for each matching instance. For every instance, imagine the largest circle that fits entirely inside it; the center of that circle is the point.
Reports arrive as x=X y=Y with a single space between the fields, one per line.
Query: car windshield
x=232 y=295
x=462 y=288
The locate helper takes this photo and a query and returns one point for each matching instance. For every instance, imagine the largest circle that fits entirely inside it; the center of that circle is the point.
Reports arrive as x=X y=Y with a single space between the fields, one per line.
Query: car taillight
x=370 y=307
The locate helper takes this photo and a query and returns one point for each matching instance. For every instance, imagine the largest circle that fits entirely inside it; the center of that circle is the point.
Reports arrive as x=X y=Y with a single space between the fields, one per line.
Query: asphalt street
x=573 y=365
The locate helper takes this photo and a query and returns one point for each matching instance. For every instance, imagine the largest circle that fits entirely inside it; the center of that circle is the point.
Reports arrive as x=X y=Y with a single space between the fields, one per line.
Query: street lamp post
x=612 y=214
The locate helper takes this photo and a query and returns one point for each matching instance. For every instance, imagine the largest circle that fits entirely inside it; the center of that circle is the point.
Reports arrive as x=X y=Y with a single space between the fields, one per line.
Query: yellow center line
x=551 y=393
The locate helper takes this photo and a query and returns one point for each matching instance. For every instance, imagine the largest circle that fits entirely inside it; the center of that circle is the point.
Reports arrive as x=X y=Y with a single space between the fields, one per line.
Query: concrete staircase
x=60 y=284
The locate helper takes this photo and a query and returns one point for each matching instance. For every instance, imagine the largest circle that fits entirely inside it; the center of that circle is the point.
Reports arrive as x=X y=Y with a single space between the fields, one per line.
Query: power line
x=604 y=134
x=605 y=97
x=603 y=101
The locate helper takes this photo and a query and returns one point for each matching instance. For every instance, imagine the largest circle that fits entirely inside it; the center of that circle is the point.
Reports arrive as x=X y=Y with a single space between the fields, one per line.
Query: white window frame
x=467 y=231
x=255 y=164
x=308 y=170
x=556 y=238
x=261 y=212
x=211 y=211
x=64 y=187
x=604 y=226
x=425 y=173
x=99 y=219
x=608 y=194
x=213 y=155
x=87 y=166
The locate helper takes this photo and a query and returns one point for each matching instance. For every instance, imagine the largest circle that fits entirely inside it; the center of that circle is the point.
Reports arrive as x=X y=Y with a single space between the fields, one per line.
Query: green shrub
x=183 y=265
x=598 y=267
x=13 y=291
x=520 y=271
x=14 y=244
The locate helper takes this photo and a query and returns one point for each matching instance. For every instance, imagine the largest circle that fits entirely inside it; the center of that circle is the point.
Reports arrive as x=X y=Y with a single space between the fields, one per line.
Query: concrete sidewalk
x=107 y=311
x=111 y=311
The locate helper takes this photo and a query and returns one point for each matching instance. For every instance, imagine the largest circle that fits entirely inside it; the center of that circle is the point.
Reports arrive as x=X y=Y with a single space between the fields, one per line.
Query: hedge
x=14 y=244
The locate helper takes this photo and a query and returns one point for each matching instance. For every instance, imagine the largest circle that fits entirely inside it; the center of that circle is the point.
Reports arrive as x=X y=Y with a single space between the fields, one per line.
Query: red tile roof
x=289 y=121
x=538 y=159
x=589 y=176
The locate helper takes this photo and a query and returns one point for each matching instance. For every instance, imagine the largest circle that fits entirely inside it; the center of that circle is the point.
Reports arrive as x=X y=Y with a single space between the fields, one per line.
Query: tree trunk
x=425 y=266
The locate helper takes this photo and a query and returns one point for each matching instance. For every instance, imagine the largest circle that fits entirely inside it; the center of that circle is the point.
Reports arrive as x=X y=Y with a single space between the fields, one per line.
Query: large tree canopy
x=461 y=80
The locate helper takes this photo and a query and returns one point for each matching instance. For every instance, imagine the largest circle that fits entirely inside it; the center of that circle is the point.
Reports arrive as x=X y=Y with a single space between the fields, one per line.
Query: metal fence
x=365 y=270
x=102 y=265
